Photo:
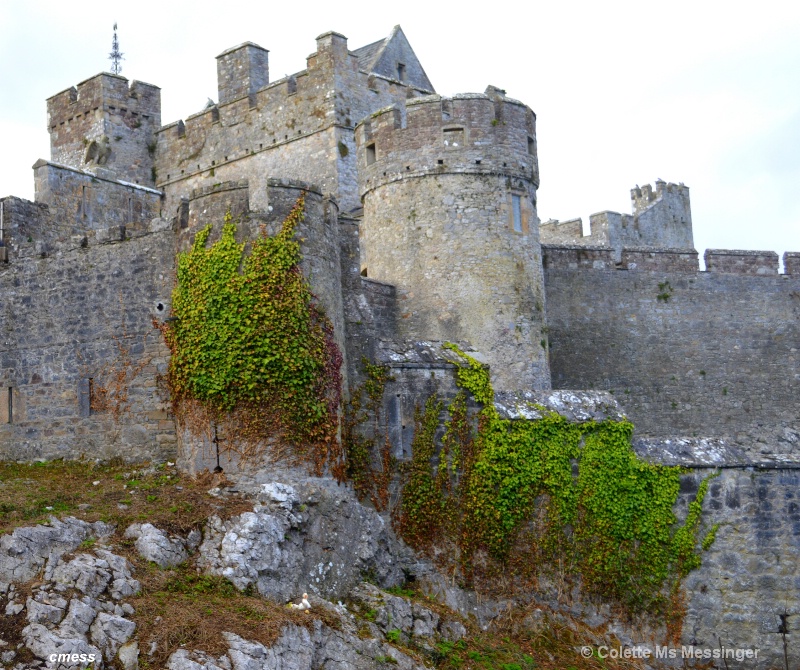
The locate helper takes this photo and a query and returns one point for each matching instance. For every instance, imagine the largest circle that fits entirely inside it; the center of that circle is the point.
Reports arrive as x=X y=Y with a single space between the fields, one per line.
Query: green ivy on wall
x=249 y=345
x=551 y=493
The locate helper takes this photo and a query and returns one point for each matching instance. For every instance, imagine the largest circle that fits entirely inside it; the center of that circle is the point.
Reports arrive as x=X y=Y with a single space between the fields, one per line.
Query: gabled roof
x=384 y=56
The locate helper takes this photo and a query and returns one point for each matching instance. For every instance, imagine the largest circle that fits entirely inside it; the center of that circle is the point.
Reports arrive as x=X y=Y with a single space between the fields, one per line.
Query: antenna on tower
x=116 y=55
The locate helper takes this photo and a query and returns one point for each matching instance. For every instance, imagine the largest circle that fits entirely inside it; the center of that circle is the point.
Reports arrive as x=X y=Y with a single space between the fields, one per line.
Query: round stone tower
x=449 y=192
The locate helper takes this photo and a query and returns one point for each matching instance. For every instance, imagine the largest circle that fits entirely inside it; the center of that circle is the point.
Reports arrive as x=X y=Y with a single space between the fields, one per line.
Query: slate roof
x=368 y=55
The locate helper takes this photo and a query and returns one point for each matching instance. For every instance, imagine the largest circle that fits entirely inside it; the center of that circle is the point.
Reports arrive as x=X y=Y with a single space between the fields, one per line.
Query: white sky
x=707 y=93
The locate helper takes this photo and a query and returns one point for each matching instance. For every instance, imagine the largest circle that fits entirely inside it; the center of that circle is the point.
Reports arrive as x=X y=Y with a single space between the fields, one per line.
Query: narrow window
x=531 y=146
x=91 y=394
x=401 y=72
x=130 y=210
x=10 y=405
x=370 y=153
x=516 y=203
x=83 y=202
x=183 y=214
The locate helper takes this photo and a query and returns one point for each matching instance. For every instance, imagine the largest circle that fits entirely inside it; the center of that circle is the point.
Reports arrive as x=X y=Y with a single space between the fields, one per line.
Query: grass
x=124 y=494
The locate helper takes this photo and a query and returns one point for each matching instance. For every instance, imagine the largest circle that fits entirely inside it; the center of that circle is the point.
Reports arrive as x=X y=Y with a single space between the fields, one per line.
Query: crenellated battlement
x=644 y=196
x=470 y=133
x=106 y=92
x=661 y=218
x=241 y=71
x=791 y=263
x=649 y=259
x=260 y=128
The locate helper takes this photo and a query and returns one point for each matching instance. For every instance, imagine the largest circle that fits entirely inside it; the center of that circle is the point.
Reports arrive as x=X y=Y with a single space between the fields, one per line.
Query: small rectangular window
x=401 y=72
x=516 y=203
x=370 y=153
x=10 y=405
x=453 y=137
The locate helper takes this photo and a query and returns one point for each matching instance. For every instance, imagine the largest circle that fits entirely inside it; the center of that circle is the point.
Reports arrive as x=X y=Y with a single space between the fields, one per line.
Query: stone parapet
x=735 y=261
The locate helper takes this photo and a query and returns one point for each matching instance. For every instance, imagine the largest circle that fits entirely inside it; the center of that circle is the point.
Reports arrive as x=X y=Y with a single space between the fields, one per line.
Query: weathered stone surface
x=749 y=576
x=123 y=584
x=129 y=655
x=79 y=618
x=86 y=573
x=285 y=551
x=13 y=608
x=43 y=613
x=417 y=624
x=155 y=545
x=184 y=659
x=426 y=622
x=477 y=241
x=577 y=406
x=687 y=354
x=24 y=552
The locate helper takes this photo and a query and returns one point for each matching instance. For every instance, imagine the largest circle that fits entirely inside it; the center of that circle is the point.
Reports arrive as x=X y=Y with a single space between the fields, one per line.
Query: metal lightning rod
x=116 y=55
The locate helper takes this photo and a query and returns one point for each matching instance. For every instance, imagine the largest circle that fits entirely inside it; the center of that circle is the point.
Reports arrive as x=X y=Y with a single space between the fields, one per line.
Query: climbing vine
x=250 y=348
x=363 y=433
x=509 y=495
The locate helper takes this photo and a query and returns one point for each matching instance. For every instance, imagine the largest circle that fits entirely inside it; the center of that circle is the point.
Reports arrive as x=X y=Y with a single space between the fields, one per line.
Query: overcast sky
x=705 y=93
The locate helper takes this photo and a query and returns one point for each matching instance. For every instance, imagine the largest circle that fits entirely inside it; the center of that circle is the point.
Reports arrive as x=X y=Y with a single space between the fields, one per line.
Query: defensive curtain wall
x=687 y=353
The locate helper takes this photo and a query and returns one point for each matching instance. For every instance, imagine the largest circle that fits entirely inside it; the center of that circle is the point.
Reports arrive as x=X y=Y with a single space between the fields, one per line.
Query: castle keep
x=421 y=226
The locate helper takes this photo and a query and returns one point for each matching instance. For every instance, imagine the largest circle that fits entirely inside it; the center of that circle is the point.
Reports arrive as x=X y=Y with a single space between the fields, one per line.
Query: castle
x=421 y=226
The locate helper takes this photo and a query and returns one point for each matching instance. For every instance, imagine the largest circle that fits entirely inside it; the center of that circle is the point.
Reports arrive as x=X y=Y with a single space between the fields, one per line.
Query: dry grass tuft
x=181 y=608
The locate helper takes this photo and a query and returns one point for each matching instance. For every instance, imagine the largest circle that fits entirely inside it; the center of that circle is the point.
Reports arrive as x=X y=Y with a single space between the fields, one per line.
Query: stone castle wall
x=685 y=352
x=748 y=577
x=82 y=201
x=72 y=322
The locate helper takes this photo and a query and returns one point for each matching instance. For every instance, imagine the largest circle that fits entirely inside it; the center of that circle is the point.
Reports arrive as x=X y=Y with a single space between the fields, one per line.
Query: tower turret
x=449 y=192
x=106 y=123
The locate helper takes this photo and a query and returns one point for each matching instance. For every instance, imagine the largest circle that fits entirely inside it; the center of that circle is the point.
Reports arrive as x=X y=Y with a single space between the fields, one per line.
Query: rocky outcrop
x=415 y=623
x=301 y=648
x=309 y=536
x=25 y=552
x=76 y=614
